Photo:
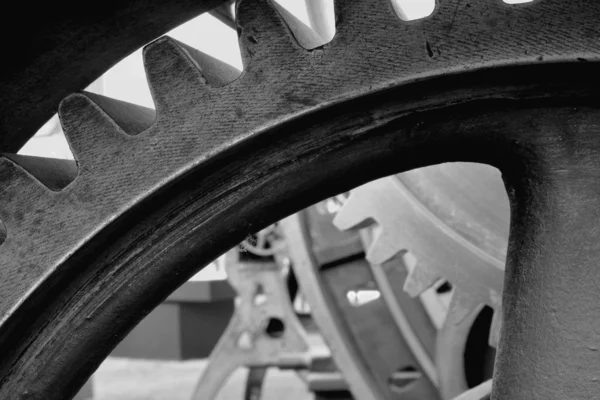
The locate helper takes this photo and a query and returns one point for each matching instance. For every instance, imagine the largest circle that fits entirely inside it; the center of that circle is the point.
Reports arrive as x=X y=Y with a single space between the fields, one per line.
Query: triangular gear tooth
x=494 y=337
x=217 y=73
x=173 y=74
x=18 y=187
x=461 y=306
x=383 y=248
x=264 y=34
x=351 y=16
x=55 y=174
x=419 y=280
x=131 y=118
x=90 y=131
x=352 y=214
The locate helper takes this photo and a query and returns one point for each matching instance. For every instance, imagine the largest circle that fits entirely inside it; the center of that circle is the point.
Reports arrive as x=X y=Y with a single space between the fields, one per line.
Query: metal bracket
x=264 y=329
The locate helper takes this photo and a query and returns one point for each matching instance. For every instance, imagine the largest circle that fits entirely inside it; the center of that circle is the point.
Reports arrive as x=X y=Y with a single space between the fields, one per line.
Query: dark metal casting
x=156 y=197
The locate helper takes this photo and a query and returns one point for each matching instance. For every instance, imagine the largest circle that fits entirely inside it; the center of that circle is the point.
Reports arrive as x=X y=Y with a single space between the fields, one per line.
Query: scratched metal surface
x=125 y=157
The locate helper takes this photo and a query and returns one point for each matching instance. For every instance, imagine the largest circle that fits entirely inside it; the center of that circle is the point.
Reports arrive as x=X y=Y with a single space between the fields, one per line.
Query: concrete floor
x=129 y=379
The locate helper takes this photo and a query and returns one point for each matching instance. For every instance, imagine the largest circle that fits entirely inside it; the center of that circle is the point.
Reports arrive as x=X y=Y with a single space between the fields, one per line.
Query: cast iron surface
x=62 y=46
x=481 y=81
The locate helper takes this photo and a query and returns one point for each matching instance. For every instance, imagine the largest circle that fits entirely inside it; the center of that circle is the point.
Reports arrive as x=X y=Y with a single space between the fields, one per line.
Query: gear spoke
x=552 y=280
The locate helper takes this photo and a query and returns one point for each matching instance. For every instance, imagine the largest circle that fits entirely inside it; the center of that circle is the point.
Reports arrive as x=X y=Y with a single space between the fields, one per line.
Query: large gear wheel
x=90 y=247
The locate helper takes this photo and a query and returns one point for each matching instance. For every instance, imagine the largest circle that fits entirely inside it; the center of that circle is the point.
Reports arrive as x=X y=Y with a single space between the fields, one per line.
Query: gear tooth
x=382 y=249
x=173 y=71
x=55 y=174
x=494 y=337
x=418 y=280
x=263 y=32
x=17 y=186
x=461 y=306
x=352 y=214
x=131 y=118
x=88 y=127
x=216 y=72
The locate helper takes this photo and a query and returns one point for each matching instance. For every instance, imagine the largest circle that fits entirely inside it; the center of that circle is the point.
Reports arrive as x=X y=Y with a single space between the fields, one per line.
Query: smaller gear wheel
x=403 y=226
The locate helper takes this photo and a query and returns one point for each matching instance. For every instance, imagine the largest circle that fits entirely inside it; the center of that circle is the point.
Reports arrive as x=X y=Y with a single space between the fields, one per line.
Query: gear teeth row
x=383 y=204
x=105 y=135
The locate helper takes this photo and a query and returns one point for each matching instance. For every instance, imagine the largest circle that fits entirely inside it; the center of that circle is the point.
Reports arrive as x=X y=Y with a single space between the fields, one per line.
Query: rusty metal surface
x=436 y=90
